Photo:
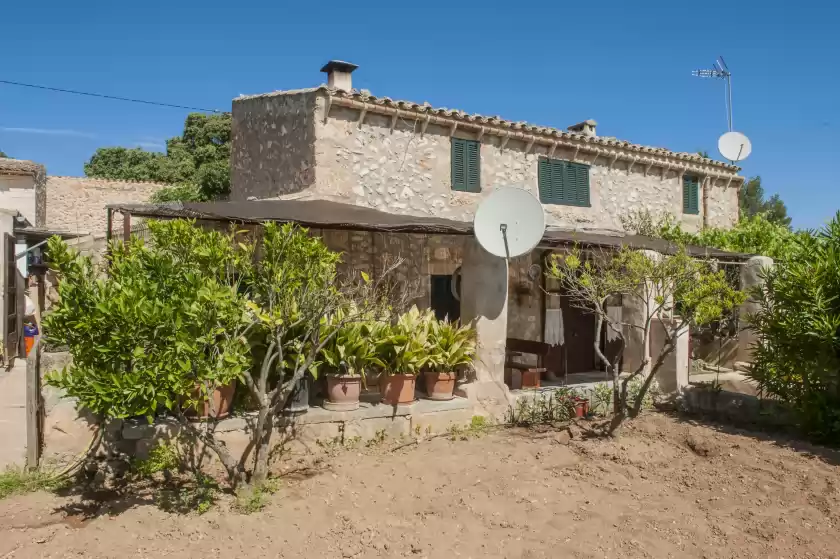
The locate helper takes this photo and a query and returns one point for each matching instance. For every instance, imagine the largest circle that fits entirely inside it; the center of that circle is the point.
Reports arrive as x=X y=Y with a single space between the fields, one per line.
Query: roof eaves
x=373 y=102
x=20 y=167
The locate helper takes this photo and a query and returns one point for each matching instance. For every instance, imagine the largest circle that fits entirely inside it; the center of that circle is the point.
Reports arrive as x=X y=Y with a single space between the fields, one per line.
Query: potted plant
x=403 y=351
x=346 y=359
x=450 y=346
x=211 y=401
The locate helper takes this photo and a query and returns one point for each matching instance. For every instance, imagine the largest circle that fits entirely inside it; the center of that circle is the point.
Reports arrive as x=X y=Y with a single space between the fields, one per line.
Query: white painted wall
x=17 y=192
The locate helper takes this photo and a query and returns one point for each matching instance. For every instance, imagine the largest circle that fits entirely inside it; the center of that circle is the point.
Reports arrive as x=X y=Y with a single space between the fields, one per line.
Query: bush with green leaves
x=756 y=234
x=151 y=328
x=797 y=358
x=200 y=307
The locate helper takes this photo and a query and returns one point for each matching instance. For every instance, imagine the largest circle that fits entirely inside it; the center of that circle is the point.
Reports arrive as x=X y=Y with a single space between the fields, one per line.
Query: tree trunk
x=262 y=437
x=235 y=471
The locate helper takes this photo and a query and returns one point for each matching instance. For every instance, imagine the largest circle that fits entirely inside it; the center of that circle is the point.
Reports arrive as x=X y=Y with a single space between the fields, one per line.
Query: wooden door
x=579 y=334
x=14 y=303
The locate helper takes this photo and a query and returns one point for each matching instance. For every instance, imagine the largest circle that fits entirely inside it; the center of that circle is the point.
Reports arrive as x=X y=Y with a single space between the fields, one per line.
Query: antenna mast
x=720 y=71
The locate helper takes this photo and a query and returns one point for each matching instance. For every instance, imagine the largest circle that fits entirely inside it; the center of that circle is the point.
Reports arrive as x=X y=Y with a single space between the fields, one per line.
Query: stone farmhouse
x=336 y=143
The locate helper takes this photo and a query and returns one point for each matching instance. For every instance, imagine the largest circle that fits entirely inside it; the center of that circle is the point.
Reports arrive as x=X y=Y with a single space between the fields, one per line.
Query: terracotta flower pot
x=397 y=389
x=222 y=399
x=440 y=386
x=343 y=392
x=581 y=407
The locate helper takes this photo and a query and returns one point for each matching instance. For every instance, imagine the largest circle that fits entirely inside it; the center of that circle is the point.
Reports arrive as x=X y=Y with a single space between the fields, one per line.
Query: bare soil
x=663 y=488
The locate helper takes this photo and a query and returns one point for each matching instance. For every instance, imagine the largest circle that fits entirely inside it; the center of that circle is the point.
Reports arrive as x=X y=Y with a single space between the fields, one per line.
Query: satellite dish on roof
x=510 y=222
x=734 y=146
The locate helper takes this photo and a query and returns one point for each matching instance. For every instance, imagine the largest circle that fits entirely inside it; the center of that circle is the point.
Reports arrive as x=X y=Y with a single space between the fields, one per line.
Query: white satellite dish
x=734 y=146
x=510 y=222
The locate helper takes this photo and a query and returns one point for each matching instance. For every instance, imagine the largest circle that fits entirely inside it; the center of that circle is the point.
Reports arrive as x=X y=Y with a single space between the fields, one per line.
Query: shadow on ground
x=784 y=437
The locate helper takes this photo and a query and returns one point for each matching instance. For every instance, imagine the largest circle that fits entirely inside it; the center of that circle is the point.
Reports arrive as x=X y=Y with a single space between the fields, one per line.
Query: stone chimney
x=338 y=74
x=587 y=128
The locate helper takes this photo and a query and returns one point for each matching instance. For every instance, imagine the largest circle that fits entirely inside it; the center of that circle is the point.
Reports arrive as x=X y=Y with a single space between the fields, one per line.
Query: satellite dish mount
x=509 y=223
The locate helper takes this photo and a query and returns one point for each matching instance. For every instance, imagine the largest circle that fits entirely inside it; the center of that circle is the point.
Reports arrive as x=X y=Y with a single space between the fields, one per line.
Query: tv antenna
x=510 y=222
x=720 y=71
x=733 y=145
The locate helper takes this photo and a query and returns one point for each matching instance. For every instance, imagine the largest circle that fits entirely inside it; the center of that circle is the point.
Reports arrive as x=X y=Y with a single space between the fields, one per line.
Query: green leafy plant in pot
x=346 y=360
x=450 y=347
x=403 y=351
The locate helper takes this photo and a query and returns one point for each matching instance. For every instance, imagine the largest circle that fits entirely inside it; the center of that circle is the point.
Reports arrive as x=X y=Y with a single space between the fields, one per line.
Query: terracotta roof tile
x=425 y=108
x=20 y=167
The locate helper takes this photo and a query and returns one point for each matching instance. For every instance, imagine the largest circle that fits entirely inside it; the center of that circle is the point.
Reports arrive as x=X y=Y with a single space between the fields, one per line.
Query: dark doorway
x=579 y=334
x=443 y=300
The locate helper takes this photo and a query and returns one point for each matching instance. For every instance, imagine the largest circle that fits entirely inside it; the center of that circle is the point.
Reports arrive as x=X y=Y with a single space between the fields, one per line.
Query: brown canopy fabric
x=326 y=214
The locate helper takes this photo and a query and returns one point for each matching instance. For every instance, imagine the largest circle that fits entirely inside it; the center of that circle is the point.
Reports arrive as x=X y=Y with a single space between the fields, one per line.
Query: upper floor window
x=691 y=195
x=563 y=182
x=466 y=165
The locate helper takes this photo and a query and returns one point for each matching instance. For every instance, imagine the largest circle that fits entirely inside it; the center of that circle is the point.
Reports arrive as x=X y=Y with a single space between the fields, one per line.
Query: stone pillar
x=752 y=277
x=484 y=296
x=635 y=311
x=672 y=376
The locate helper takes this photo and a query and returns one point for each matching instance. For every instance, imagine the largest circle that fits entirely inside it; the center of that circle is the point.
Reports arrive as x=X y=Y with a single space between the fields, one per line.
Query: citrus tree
x=673 y=292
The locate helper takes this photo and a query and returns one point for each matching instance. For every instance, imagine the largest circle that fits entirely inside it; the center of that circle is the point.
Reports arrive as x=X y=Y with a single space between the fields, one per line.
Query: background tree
x=755 y=234
x=673 y=292
x=197 y=163
x=752 y=202
x=3 y=154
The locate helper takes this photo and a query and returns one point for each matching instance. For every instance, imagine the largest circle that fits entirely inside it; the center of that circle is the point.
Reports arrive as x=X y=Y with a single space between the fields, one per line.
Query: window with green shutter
x=466 y=165
x=563 y=182
x=691 y=195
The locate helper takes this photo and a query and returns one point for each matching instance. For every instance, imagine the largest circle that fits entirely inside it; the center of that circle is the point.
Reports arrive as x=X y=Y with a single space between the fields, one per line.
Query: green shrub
x=798 y=323
x=544 y=408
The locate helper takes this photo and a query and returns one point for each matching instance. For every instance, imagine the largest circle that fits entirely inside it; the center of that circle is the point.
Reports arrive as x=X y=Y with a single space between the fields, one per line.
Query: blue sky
x=626 y=64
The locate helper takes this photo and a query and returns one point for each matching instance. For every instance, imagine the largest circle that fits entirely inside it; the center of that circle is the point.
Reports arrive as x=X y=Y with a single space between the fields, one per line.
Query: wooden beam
x=530 y=144
x=109 y=228
x=327 y=105
x=394 y=121
x=33 y=407
x=632 y=162
x=453 y=129
x=362 y=114
x=505 y=139
x=126 y=227
x=480 y=133
x=551 y=151
x=424 y=125
x=574 y=156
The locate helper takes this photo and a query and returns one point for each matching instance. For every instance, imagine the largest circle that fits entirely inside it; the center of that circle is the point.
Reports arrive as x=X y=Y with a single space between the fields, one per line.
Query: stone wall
x=390 y=165
x=273 y=145
x=426 y=255
x=77 y=204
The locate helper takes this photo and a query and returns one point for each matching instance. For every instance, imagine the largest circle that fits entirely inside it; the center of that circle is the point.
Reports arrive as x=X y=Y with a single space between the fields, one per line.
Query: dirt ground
x=664 y=488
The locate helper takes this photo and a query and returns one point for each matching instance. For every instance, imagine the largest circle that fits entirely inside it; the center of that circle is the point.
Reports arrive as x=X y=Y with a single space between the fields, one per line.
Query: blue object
x=30 y=330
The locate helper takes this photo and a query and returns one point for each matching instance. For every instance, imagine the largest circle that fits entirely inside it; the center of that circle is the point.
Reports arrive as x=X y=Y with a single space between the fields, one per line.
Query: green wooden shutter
x=579 y=179
x=561 y=182
x=544 y=180
x=459 y=164
x=473 y=166
x=466 y=165
x=691 y=195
